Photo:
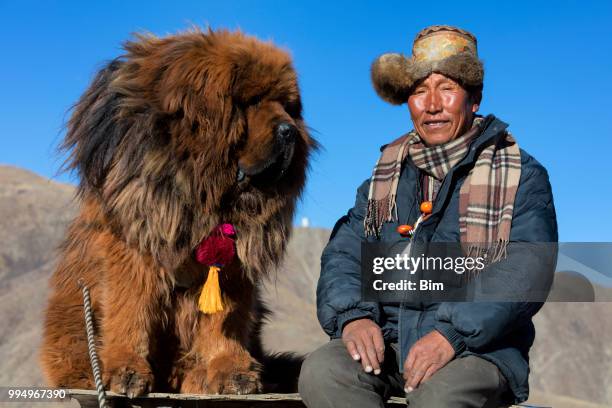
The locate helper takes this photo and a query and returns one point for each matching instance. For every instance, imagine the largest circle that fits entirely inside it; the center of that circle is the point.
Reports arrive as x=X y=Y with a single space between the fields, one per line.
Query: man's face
x=441 y=109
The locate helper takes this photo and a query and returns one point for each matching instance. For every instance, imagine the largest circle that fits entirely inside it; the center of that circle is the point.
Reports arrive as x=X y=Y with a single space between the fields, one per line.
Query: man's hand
x=364 y=341
x=428 y=355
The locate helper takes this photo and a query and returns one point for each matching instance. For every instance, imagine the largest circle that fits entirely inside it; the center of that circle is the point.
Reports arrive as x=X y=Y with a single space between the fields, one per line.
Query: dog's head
x=187 y=131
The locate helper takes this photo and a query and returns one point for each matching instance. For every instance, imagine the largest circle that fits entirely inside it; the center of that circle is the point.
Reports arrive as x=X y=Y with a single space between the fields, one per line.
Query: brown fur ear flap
x=390 y=78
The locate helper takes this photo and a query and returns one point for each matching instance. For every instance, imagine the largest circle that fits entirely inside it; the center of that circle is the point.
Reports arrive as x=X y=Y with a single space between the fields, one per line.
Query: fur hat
x=446 y=50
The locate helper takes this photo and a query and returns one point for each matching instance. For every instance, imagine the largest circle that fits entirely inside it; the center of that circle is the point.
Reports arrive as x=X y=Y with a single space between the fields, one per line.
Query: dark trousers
x=331 y=378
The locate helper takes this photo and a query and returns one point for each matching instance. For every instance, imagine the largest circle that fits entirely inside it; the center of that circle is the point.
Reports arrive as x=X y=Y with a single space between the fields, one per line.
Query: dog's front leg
x=131 y=310
x=221 y=362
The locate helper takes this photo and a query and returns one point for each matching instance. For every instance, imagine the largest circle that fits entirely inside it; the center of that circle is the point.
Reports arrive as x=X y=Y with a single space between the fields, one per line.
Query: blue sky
x=547 y=74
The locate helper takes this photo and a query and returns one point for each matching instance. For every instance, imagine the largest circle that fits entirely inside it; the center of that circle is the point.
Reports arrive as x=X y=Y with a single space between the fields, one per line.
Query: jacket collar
x=492 y=130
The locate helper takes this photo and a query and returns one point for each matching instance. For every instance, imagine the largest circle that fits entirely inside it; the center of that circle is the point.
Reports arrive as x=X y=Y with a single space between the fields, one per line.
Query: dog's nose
x=286 y=132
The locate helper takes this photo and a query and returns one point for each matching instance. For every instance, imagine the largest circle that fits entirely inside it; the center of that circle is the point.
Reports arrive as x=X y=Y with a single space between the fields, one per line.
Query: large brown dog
x=177 y=136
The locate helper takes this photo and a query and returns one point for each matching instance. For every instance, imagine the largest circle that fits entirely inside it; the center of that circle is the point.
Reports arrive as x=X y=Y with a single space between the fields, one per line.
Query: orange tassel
x=210 y=298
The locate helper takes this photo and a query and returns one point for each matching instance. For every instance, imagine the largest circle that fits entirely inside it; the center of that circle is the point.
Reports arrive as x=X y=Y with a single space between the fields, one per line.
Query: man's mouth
x=436 y=123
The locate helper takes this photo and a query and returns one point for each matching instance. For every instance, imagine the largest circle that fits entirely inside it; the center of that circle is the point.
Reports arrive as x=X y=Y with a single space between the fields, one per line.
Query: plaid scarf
x=486 y=198
x=436 y=161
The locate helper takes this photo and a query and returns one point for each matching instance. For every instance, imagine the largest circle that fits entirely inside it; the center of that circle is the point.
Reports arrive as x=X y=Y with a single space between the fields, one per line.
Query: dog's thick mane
x=163 y=196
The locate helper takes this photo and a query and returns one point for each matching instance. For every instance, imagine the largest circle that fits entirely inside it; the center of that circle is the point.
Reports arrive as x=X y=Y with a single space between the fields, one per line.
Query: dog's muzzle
x=285 y=136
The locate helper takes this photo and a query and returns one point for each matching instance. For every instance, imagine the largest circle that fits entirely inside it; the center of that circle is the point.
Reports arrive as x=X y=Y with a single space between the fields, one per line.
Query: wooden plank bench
x=89 y=399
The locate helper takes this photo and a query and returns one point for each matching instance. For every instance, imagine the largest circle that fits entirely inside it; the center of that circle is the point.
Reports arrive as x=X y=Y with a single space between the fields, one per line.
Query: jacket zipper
x=402 y=305
x=410 y=252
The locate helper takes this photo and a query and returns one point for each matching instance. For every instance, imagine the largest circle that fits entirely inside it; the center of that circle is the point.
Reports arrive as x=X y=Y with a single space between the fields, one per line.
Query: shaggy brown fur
x=175 y=137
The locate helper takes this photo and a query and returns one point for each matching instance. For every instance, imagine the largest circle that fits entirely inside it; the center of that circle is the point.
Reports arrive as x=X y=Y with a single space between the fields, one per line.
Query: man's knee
x=324 y=367
x=465 y=382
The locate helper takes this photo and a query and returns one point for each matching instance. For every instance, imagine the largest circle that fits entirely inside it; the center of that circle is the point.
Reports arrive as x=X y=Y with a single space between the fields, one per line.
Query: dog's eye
x=255 y=100
x=294 y=108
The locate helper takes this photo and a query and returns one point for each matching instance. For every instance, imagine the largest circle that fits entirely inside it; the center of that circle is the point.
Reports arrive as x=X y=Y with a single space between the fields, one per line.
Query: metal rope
x=91 y=345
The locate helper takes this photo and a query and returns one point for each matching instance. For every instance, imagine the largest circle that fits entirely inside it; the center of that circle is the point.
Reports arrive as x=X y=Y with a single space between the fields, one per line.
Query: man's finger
x=409 y=364
x=416 y=375
x=372 y=355
x=430 y=371
x=352 y=350
x=379 y=345
x=365 y=360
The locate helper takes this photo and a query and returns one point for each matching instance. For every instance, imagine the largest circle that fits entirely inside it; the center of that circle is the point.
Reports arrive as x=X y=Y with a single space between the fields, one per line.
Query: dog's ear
x=181 y=76
x=94 y=131
x=258 y=69
x=192 y=91
x=250 y=80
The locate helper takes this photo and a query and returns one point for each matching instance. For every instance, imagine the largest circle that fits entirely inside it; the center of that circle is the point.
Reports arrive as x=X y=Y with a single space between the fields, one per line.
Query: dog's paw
x=132 y=378
x=236 y=382
x=223 y=376
x=194 y=381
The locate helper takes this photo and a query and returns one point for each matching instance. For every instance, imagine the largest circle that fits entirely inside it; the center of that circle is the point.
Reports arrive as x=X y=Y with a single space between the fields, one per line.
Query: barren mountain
x=571 y=360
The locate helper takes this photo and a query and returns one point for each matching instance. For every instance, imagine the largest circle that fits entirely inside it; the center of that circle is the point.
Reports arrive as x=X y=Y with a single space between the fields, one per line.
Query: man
x=463 y=179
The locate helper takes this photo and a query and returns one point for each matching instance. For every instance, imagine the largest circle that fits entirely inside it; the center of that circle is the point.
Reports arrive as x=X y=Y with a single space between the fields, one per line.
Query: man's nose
x=434 y=103
x=285 y=132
